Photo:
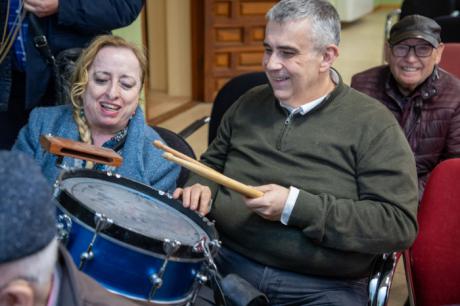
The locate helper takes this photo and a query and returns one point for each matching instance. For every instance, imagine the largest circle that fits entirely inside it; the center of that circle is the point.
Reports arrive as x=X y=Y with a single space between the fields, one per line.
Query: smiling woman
x=105 y=112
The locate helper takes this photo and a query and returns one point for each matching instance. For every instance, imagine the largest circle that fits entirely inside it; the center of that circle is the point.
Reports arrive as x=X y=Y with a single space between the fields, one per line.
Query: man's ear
x=329 y=56
x=438 y=53
x=17 y=293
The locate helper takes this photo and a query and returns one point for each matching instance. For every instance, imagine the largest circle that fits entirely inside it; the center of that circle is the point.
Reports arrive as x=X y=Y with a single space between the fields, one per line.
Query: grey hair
x=323 y=17
x=36 y=268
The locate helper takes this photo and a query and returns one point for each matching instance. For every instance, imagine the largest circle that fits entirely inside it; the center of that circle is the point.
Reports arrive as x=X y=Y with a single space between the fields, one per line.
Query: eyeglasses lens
x=420 y=50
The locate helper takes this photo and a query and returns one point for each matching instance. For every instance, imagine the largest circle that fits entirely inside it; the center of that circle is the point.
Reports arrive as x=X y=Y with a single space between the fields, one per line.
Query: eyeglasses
x=423 y=50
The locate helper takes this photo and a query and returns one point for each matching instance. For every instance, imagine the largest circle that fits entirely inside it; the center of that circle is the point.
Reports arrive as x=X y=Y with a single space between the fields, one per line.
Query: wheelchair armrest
x=381 y=279
x=194 y=126
x=388 y=271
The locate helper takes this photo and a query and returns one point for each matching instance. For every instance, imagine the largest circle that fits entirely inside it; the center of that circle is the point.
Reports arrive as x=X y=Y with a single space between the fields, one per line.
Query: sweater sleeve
x=383 y=219
x=98 y=16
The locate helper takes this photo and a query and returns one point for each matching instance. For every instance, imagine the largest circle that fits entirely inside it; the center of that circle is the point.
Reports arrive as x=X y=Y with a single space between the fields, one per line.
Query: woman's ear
x=330 y=54
x=17 y=293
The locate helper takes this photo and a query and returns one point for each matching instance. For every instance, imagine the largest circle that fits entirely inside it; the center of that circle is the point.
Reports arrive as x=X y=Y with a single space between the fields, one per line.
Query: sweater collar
x=339 y=86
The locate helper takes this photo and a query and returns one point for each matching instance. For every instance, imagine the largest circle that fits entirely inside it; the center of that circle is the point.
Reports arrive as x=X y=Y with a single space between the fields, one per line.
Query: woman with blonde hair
x=105 y=112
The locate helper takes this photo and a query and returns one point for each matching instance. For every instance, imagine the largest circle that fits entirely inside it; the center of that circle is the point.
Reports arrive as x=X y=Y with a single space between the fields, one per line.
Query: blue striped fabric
x=19 y=45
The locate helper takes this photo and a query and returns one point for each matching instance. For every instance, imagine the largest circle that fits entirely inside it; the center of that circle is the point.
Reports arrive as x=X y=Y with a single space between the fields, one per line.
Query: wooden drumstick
x=66 y=147
x=164 y=147
x=215 y=176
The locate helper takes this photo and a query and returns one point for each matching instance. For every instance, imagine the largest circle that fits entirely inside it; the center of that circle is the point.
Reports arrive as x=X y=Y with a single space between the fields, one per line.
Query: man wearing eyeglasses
x=424 y=98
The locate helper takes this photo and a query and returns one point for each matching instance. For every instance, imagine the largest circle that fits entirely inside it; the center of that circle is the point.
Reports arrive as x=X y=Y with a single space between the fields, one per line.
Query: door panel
x=233 y=37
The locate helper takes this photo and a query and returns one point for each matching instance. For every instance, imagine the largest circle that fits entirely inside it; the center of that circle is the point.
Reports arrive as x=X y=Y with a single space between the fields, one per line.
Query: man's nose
x=272 y=62
x=411 y=54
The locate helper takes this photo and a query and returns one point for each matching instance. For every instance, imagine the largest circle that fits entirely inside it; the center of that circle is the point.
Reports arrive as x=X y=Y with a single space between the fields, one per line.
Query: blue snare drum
x=134 y=240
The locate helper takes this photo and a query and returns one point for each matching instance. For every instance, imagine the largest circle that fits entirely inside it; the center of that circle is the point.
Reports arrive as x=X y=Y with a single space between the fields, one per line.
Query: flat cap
x=416 y=26
x=27 y=209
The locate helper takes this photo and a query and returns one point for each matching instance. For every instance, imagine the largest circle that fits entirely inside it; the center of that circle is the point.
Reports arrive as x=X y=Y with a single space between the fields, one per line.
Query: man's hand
x=196 y=197
x=42 y=8
x=269 y=206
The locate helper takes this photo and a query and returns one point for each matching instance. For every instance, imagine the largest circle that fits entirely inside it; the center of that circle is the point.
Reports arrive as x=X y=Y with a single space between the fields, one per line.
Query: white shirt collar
x=305 y=108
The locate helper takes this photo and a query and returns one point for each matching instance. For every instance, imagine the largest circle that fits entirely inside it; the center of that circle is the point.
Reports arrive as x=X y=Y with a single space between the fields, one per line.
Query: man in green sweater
x=338 y=176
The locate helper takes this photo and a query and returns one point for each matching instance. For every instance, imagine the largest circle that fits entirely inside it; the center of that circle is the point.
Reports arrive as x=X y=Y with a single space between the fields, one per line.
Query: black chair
x=226 y=96
x=450 y=26
x=178 y=143
x=429 y=8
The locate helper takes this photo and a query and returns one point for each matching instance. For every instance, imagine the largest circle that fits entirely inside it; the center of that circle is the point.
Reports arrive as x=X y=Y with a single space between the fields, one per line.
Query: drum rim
x=149 y=244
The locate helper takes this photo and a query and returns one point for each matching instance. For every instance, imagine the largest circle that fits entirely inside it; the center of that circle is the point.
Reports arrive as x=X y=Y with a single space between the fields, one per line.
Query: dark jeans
x=17 y=115
x=288 y=288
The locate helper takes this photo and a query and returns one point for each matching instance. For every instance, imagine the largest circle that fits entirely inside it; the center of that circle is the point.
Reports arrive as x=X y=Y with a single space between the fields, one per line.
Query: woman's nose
x=113 y=91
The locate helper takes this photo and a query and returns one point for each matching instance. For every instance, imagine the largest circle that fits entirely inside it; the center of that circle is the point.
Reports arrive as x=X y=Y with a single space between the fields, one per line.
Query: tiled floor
x=360 y=48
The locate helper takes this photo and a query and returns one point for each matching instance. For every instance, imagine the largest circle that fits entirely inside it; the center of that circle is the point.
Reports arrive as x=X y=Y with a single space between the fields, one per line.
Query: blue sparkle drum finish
x=129 y=251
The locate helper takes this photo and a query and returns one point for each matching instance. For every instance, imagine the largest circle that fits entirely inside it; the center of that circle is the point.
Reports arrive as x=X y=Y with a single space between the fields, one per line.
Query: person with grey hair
x=34 y=269
x=336 y=172
x=424 y=98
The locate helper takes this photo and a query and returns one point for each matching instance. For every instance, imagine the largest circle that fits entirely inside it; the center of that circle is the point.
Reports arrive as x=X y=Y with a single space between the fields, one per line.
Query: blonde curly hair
x=80 y=77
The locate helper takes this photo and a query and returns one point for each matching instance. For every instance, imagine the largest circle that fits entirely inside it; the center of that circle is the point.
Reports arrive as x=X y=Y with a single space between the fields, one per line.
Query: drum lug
x=86 y=256
x=200 y=280
x=64 y=226
x=169 y=247
x=102 y=223
x=156 y=281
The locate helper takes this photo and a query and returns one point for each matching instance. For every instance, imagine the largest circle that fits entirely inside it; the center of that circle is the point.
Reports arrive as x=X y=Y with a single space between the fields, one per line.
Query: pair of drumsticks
x=66 y=147
x=205 y=171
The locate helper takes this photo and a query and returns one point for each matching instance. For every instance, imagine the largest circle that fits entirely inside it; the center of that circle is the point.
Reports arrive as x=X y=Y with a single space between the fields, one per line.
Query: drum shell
x=122 y=267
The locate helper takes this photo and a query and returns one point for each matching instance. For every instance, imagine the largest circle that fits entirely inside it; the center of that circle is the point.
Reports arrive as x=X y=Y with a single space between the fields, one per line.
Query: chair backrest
x=450 y=60
x=450 y=26
x=435 y=255
x=228 y=94
x=429 y=8
x=180 y=144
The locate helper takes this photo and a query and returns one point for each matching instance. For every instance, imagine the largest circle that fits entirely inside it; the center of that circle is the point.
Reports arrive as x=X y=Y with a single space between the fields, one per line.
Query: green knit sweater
x=353 y=166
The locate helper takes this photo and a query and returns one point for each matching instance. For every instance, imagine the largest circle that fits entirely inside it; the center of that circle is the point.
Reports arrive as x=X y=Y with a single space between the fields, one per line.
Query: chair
x=429 y=8
x=450 y=60
x=226 y=96
x=178 y=143
x=449 y=28
x=433 y=262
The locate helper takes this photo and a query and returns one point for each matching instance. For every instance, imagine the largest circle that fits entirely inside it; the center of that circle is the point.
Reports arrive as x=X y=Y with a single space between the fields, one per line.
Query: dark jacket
x=75 y=24
x=430 y=118
x=77 y=289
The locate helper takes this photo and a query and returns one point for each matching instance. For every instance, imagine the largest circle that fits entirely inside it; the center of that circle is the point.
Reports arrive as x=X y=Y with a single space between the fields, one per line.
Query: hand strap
x=40 y=41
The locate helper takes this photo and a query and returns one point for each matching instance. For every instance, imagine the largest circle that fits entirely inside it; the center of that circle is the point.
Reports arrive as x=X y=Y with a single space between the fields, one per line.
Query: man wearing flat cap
x=424 y=98
x=34 y=269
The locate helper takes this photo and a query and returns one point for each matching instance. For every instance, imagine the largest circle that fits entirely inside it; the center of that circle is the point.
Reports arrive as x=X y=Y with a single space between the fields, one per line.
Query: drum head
x=136 y=210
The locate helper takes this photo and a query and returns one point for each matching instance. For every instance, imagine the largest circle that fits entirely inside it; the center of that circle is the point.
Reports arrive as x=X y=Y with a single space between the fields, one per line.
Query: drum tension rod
x=102 y=223
x=169 y=247
x=64 y=226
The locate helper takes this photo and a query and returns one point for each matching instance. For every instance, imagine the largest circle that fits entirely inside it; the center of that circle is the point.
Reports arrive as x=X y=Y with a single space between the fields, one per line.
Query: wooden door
x=233 y=40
